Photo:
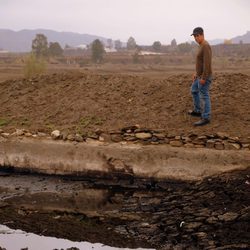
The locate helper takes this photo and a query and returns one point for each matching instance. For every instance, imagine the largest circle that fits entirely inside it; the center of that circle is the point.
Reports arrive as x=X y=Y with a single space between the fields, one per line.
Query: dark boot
x=202 y=122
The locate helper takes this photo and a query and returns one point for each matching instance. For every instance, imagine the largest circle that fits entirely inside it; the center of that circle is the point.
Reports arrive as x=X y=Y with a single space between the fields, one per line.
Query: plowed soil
x=84 y=102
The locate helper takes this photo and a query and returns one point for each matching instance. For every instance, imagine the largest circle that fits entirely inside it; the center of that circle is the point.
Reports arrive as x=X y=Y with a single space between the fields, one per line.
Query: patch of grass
x=25 y=122
x=90 y=120
x=4 y=122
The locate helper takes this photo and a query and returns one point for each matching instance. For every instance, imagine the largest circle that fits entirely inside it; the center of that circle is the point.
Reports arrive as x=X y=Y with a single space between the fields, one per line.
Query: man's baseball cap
x=197 y=31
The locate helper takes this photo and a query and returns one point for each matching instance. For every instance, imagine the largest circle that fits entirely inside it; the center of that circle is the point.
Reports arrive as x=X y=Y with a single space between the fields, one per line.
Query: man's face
x=199 y=38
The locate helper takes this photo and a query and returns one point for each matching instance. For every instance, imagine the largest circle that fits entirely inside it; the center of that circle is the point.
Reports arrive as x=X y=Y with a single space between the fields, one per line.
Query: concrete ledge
x=160 y=162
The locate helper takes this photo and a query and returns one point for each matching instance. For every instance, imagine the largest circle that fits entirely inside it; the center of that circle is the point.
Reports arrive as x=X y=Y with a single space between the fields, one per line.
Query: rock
x=6 y=135
x=116 y=137
x=210 y=143
x=105 y=137
x=159 y=136
x=176 y=143
x=19 y=132
x=233 y=139
x=40 y=134
x=64 y=135
x=177 y=137
x=189 y=145
x=143 y=136
x=198 y=142
x=202 y=137
x=71 y=137
x=222 y=135
x=28 y=134
x=219 y=145
x=232 y=146
x=228 y=216
x=78 y=138
x=212 y=220
x=56 y=134
x=186 y=139
x=1 y=130
x=245 y=145
x=245 y=140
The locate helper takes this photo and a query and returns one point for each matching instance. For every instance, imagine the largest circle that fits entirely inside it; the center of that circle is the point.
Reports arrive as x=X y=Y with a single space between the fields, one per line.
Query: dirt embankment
x=84 y=102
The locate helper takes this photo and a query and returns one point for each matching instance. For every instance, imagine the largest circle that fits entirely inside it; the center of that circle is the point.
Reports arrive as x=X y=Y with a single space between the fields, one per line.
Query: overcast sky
x=145 y=20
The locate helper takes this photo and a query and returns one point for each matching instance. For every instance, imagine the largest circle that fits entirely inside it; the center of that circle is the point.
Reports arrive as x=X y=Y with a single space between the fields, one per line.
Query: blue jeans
x=201 y=97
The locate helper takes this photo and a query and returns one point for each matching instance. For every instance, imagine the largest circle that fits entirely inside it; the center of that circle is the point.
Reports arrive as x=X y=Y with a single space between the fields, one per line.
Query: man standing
x=202 y=79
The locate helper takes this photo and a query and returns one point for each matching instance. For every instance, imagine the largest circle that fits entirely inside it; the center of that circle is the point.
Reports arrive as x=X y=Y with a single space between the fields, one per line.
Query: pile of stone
x=134 y=134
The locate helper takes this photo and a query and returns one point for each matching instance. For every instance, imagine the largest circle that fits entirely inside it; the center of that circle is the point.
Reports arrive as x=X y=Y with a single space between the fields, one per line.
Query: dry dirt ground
x=83 y=102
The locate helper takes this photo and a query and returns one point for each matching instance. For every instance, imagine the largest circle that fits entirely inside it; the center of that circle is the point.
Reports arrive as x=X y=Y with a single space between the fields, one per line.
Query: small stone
x=245 y=145
x=78 y=138
x=40 y=134
x=228 y=216
x=28 y=134
x=177 y=137
x=210 y=143
x=159 y=136
x=71 y=137
x=219 y=145
x=143 y=136
x=189 y=145
x=245 y=140
x=202 y=137
x=6 y=135
x=104 y=137
x=64 y=135
x=19 y=132
x=116 y=137
x=222 y=135
x=186 y=139
x=1 y=130
x=176 y=143
x=232 y=146
x=56 y=134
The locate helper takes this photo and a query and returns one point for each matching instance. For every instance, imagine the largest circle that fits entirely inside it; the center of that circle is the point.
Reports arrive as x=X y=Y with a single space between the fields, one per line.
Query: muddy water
x=18 y=239
x=212 y=214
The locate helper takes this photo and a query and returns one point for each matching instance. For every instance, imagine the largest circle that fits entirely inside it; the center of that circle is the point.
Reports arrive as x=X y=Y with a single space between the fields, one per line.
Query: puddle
x=17 y=239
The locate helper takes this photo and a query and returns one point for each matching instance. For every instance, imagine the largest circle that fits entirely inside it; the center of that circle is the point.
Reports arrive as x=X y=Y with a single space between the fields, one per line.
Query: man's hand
x=202 y=81
x=194 y=77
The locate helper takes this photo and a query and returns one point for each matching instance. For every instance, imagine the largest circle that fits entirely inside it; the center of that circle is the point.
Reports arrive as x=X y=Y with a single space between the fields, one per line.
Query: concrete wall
x=161 y=161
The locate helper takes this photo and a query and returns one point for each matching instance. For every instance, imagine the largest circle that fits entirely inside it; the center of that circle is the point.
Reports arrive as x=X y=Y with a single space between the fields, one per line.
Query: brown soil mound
x=84 y=102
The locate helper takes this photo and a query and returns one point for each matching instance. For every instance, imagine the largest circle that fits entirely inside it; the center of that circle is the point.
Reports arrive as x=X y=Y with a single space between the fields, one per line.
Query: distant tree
x=173 y=43
x=184 y=47
x=55 y=49
x=118 y=44
x=97 y=50
x=131 y=43
x=40 y=45
x=157 y=46
x=110 y=43
x=240 y=42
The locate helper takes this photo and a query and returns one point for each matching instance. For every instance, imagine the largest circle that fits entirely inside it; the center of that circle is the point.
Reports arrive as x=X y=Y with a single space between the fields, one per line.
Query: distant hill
x=20 y=41
x=245 y=38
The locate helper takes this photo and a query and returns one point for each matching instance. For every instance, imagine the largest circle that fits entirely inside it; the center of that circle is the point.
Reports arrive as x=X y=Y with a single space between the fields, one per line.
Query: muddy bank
x=209 y=214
